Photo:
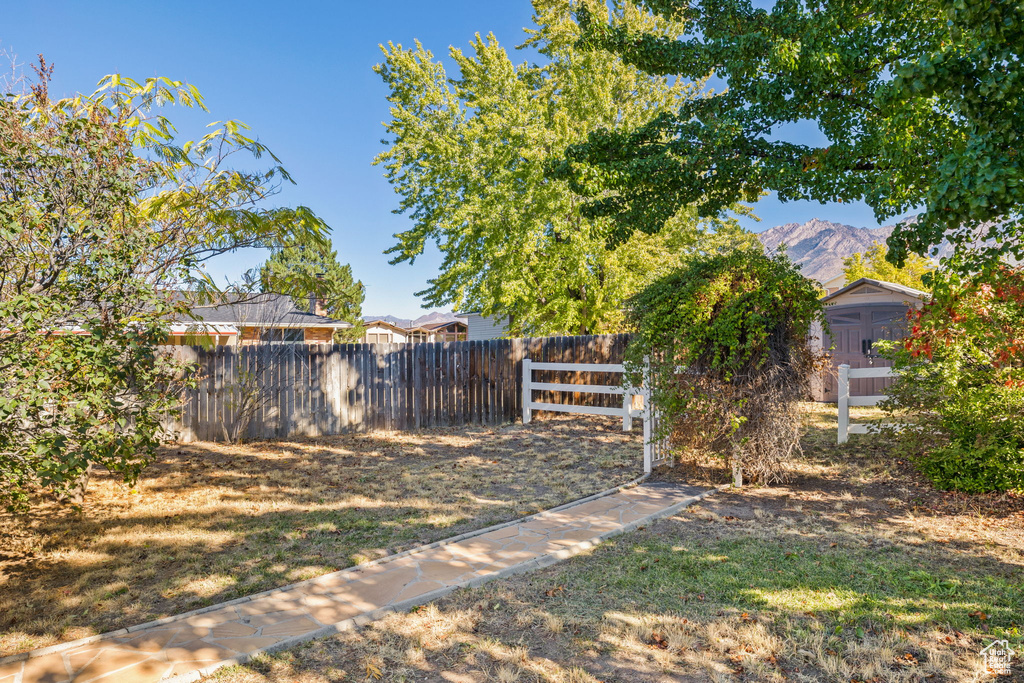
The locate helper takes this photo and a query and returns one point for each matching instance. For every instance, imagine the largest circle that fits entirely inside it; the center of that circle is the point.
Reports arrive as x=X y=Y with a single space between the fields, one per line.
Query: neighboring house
x=433 y=327
x=380 y=331
x=255 y=319
x=858 y=315
x=834 y=284
x=453 y=330
x=484 y=327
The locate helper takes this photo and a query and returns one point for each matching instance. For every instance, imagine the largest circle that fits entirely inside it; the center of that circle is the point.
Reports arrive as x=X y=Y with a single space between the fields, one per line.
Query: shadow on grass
x=690 y=599
x=695 y=599
x=212 y=522
x=854 y=569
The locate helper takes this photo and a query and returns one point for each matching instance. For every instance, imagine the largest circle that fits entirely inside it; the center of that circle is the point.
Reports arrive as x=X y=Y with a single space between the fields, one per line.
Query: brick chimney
x=316 y=305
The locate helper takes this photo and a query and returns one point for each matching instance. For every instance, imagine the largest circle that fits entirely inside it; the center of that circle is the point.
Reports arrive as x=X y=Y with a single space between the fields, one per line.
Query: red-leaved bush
x=961 y=380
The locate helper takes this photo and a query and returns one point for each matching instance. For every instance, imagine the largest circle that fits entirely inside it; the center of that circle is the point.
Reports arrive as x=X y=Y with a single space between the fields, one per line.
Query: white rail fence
x=845 y=400
x=655 y=452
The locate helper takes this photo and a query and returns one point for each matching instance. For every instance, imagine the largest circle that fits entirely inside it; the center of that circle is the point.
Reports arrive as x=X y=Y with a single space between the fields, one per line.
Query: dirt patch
x=211 y=522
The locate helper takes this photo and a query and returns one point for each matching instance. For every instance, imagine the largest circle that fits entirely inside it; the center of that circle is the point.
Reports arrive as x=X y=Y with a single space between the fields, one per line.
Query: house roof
x=835 y=280
x=439 y=325
x=383 y=322
x=890 y=286
x=428 y=321
x=184 y=329
x=262 y=310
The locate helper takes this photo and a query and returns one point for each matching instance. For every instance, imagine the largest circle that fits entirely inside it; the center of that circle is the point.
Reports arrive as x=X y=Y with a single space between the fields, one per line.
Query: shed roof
x=890 y=286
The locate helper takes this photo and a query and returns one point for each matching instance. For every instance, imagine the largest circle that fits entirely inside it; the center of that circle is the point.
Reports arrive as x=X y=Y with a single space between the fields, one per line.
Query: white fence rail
x=655 y=453
x=845 y=400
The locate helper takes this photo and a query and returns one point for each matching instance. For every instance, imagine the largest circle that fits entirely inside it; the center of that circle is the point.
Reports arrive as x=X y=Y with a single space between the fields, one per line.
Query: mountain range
x=819 y=246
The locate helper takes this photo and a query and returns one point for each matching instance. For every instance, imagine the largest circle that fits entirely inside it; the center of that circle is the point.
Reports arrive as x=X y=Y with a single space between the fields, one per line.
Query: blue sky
x=301 y=75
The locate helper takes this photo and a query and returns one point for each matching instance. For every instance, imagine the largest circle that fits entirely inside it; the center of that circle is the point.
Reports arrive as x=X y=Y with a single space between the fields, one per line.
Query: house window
x=278 y=335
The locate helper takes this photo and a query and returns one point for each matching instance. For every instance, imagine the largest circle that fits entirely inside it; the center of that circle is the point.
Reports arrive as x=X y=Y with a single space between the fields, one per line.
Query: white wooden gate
x=655 y=452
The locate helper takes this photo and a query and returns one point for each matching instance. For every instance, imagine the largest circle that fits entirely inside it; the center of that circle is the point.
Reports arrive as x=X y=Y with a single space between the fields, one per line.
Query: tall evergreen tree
x=313 y=271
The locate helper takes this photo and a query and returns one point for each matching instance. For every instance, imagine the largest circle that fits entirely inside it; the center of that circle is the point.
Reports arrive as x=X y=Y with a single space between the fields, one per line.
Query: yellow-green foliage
x=468 y=156
x=873 y=264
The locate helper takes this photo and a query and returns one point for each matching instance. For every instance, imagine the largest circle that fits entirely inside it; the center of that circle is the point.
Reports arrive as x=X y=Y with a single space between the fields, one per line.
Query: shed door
x=854 y=333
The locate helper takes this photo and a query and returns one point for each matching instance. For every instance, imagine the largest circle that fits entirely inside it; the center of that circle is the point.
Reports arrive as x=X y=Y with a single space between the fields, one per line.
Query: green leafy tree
x=920 y=102
x=102 y=214
x=314 y=271
x=722 y=342
x=960 y=380
x=467 y=155
x=874 y=264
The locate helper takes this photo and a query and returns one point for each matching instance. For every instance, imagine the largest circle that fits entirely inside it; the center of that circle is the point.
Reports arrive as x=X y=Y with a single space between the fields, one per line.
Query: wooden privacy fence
x=315 y=390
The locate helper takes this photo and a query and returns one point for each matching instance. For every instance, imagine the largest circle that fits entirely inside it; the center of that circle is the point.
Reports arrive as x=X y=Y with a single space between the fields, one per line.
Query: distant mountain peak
x=819 y=246
x=436 y=317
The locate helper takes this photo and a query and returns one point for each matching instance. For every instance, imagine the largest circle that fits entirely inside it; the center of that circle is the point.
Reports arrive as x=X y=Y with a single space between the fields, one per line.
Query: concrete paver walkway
x=189 y=646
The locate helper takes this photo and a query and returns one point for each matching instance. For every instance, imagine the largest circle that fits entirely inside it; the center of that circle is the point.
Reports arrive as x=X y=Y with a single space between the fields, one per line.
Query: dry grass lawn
x=854 y=570
x=211 y=522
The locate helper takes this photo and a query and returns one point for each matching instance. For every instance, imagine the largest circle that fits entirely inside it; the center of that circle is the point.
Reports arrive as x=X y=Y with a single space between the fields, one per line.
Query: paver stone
x=334 y=612
x=379 y=591
x=232 y=629
x=286 y=629
x=108 y=662
x=246 y=645
x=45 y=669
x=197 y=651
x=418 y=588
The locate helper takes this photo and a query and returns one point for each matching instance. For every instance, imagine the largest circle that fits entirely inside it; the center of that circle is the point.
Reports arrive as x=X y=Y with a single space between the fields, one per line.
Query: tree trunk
x=76 y=494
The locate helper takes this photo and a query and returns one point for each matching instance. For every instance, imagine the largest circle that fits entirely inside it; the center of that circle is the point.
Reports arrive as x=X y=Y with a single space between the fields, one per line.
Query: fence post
x=648 y=416
x=844 y=403
x=527 y=391
x=627 y=406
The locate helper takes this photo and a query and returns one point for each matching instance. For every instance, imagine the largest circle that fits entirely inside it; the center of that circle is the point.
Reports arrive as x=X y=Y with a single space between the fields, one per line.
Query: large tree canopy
x=921 y=102
x=468 y=156
x=103 y=217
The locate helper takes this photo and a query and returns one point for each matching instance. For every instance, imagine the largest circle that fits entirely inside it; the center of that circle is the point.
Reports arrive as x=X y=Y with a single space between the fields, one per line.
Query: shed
x=859 y=315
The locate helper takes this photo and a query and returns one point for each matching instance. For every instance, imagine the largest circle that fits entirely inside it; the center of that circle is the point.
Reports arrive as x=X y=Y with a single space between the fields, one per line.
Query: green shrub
x=977 y=469
x=726 y=340
x=960 y=380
